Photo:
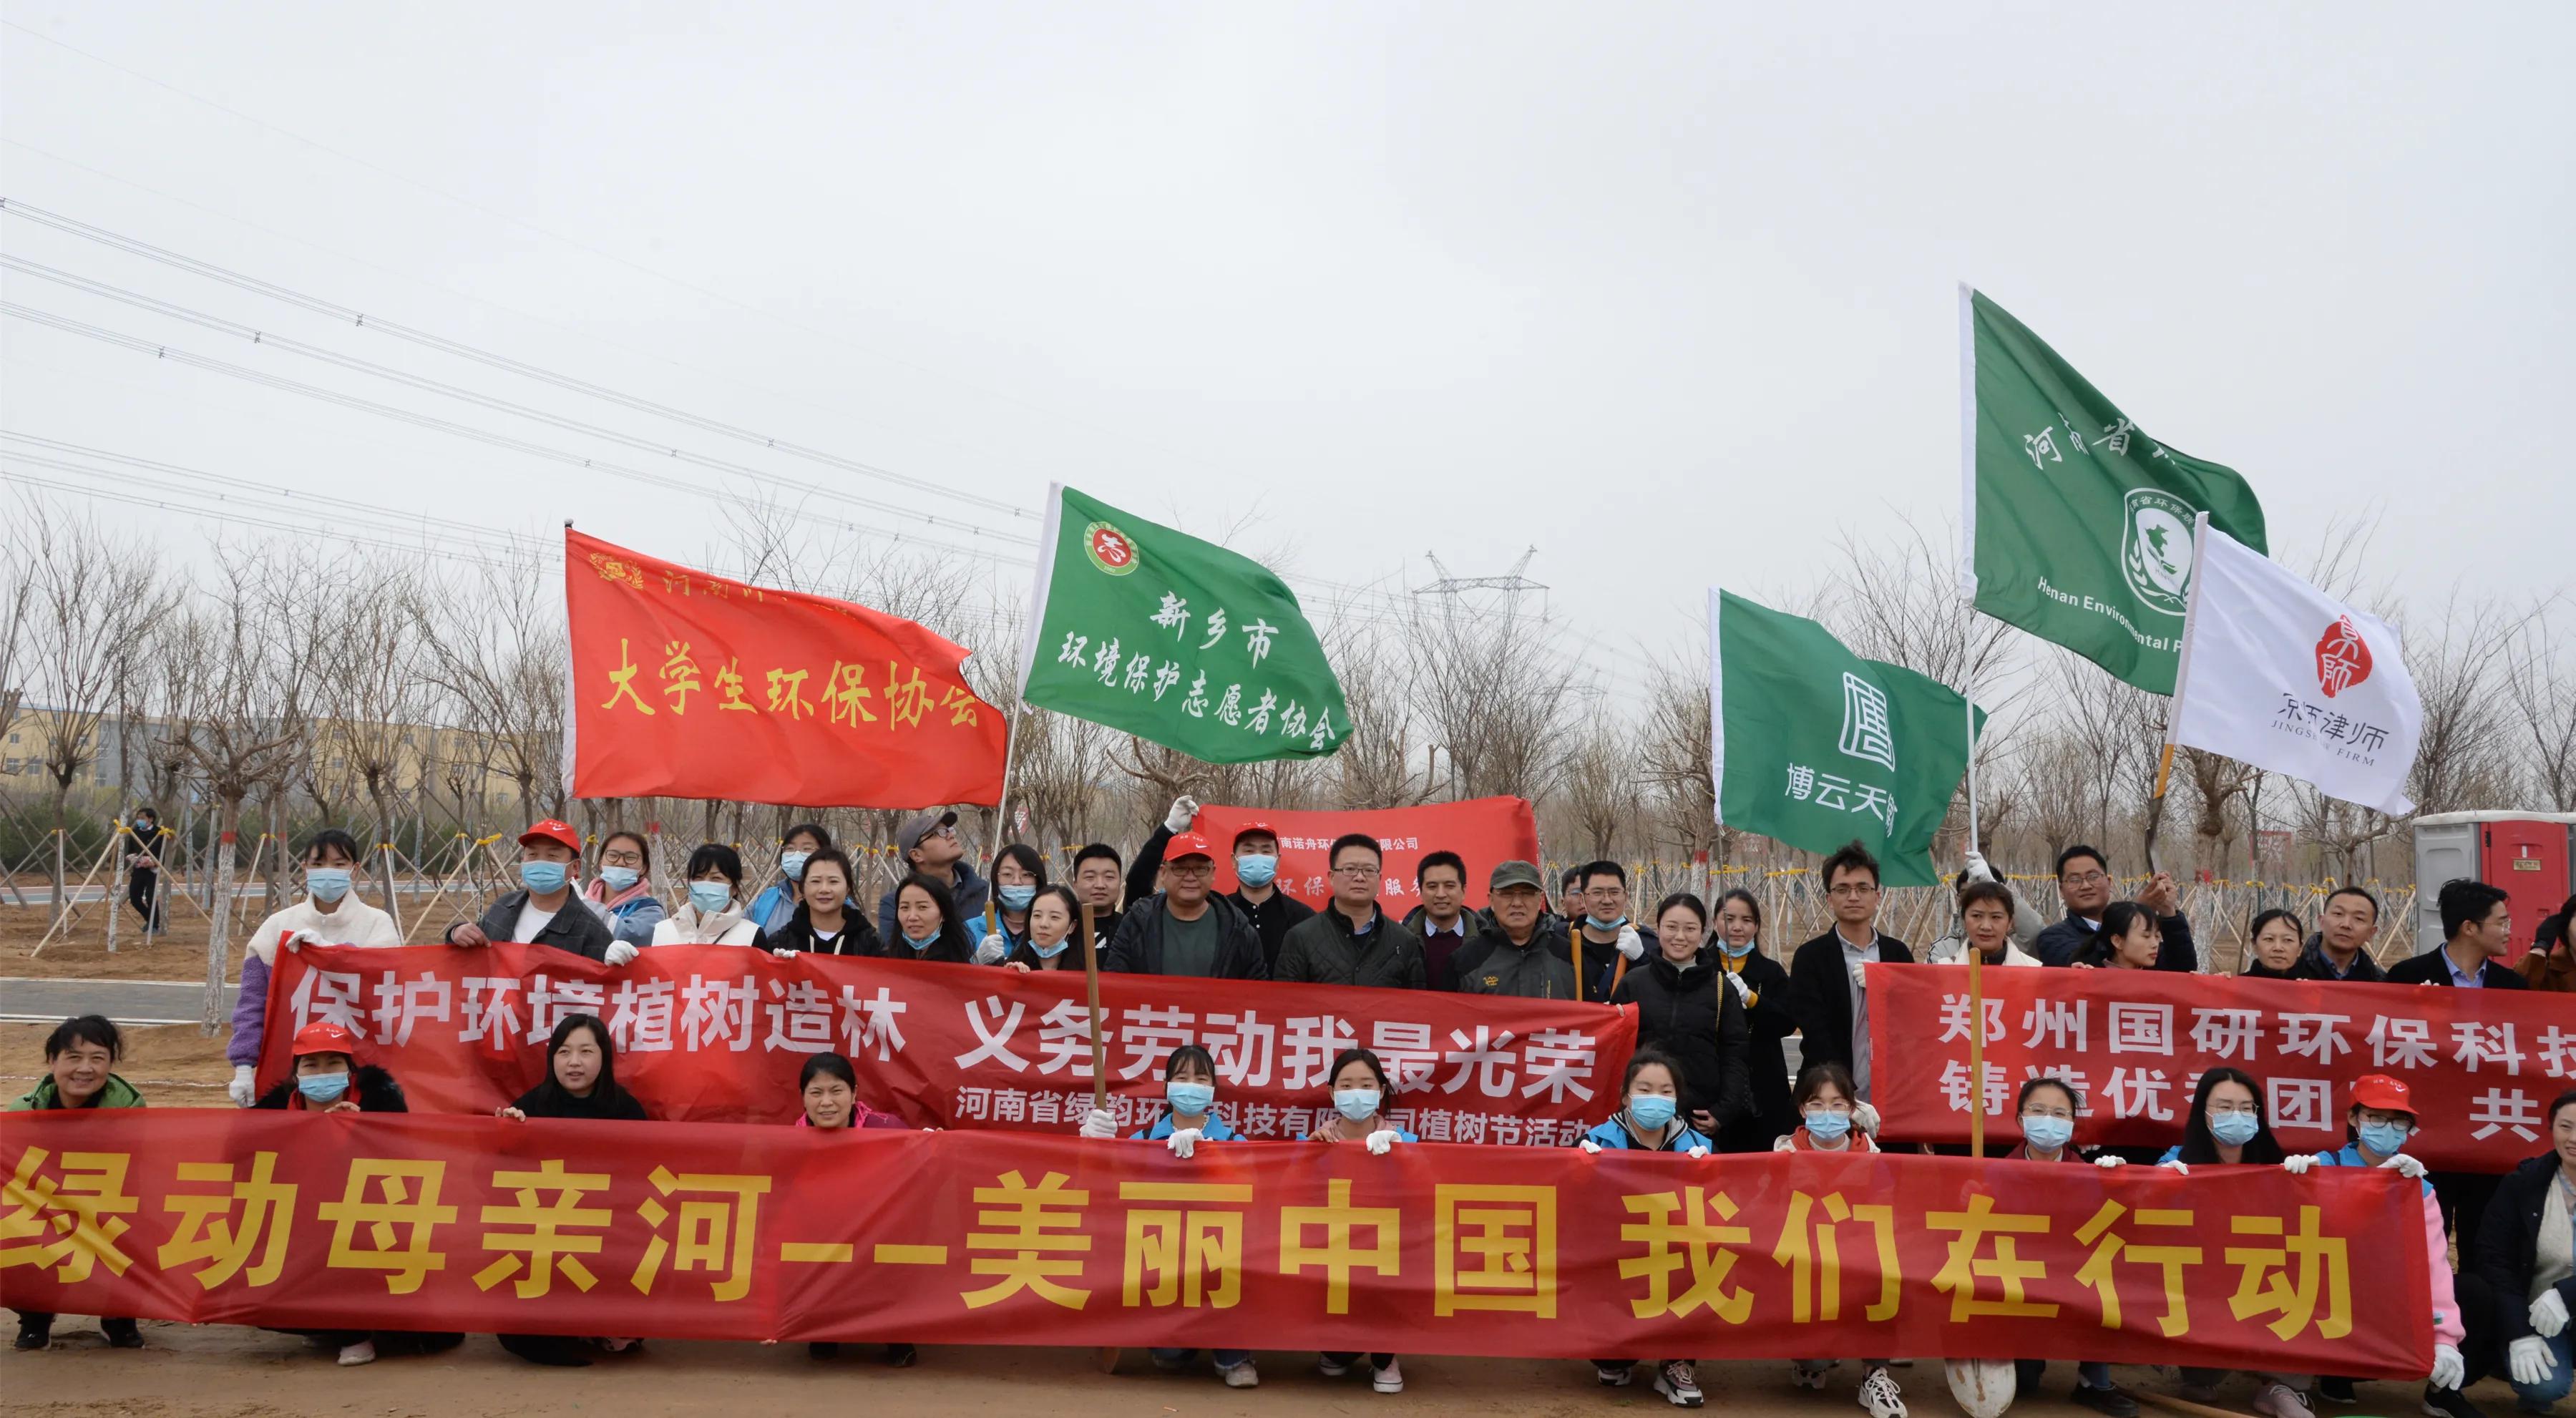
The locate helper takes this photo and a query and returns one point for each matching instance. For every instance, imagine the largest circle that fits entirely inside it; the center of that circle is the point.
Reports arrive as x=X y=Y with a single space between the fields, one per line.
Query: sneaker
x=1389 y=1379
x=121 y=1334
x=2338 y=1392
x=1678 y=1381
x=1170 y=1365
x=1330 y=1367
x=2107 y=1400
x=1241 y=1375
x=1878 y=1394
x=1614 y=1375
x=2448 y=1403
x=1810 y=1373
x=2282 y=1401
x=902 y=1356
x=362 y=1352
x=35 y=1333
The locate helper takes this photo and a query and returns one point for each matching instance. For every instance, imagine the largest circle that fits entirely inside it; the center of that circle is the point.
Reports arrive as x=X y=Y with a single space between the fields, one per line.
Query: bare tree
x=1598 y=794
x=1672 y=748
x=1492 y=694
x=494 y=643
x=374 y=697
x=2463 y=758
x=90 y=603
x=2540 y=684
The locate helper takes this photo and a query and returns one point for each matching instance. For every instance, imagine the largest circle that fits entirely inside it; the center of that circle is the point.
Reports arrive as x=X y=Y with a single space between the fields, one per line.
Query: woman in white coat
x=713 y=913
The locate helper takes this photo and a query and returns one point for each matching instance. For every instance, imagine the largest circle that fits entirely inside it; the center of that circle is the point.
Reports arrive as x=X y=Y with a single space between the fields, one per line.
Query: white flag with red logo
x=2278 y=674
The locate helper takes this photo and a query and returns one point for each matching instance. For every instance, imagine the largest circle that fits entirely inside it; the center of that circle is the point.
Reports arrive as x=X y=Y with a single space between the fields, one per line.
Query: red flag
x=686 y=685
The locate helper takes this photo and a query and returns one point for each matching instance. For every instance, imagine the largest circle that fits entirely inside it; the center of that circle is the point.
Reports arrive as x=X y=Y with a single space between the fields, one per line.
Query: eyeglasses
x=1194 y=866
x=621 y=859
x=1354 y=869
x=2090 y=878
x=1852 y=891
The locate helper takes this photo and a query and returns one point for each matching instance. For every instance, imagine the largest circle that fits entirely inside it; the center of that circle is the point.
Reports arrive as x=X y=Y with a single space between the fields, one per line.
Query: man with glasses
x=2084 y=884
x=1352 y=941
x=1186 y=929
x=930 y=846
x=1828 y=990
x=1600 y=930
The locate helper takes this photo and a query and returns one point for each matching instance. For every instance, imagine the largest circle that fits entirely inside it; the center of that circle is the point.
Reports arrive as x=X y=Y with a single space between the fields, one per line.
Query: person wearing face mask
x=1187 y=929
x=777 y=901
x=711 y=912
x=1055 y=919
x=141 y=844
x=1650 y=1121
x=822 y=922
x=2046 y=1111
x=1189 y=1118
x=1735 y=942
x=2524 y=1265
x=2275 y=953
x=1271 y=912
x=926 y=925
x=2382 y=1117
x=622 y=894
x=80 y=1072
x=2227 y=1127
x=1360 y=1092
x=1685 y=1012
x=1834 y=1119
x=1019 y=873
x=329 y=914
x=536 y=913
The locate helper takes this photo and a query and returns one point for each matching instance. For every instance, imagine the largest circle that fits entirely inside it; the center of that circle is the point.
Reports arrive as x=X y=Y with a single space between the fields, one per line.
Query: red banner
x=706 y=1231
x=686 y=685
x=1481 y=830
x=2482 y=1064
x=717 y=1034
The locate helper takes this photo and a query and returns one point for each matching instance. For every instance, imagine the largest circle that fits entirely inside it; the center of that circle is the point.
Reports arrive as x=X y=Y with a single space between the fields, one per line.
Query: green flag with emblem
x=1814 y=746
x=1161 y=635
x=2078 y=524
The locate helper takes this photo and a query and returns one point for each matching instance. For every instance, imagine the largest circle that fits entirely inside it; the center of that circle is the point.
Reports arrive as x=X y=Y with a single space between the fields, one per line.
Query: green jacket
x=117 y=1094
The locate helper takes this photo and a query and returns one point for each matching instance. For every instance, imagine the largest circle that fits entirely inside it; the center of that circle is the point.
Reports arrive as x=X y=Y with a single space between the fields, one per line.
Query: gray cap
x=922 y=824
x=1514 y=874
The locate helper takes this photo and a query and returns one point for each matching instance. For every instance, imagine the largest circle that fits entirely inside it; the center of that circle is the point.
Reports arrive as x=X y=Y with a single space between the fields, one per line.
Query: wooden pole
x=115 y=880
x=1099 y=1058
x=1976 y=1047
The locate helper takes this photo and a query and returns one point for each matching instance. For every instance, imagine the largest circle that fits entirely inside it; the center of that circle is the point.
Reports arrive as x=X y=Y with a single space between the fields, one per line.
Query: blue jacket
x=1615 y=1134
x=2349 y=1155
x=772 y=909
x=1215 y=1131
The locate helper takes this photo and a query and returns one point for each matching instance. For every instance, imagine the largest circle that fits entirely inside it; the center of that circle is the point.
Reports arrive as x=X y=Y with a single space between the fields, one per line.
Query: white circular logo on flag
x=2155 y=547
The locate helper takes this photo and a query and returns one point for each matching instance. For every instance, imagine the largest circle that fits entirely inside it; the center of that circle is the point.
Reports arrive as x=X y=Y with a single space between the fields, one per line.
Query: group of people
x=1710 y=1073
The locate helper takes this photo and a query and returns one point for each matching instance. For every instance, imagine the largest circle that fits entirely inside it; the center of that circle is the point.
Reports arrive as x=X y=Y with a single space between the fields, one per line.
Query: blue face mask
x=323 y=1087
x=1044 y=953
x=1738 y=952
x=2234 y=1129
x=1016 y=898
x=1190 y=1100
x=328 y=884
x=924 y=943
x=1598 y=924
x=1651 y=1110
x=793 y=863
x=1826 y=1125
x=710 y=897
x=2046 y=1133
x=1256 y=870
x=2384 y=1139
x=1357 y=1104
x=619 y=878
x=542 y=877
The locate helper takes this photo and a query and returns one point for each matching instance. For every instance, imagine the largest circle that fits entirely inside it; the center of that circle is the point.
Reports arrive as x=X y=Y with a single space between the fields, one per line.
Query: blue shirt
x=1215 y=1131
x=2473 y=980
x=1614 y=1133
x=2349 y=1155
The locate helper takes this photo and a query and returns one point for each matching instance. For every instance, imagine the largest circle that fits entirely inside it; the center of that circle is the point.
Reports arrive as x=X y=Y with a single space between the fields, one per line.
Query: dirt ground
x=178 y=955
x=241 y=1373
x=174 y=1065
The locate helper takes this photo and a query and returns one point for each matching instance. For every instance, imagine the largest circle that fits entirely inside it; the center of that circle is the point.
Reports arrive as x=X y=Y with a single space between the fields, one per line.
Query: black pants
x=2463 y=1197
x=142 y=891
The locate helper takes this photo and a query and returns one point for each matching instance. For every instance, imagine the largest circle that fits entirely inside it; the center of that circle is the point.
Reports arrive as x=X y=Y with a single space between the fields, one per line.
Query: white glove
x=1865 y=1119
x=1632 y=944
x=1589 y=1146
x=1380 y=1140
x=2548 y=1314
x=1977 y=868
x=1185 y=810
x=2177 y=1165
x=1184 y=1142
x=785 y=954
x=2448 y=1367
x=1860 y=977
x=2106 y=1161
x=2298 y=1165
x=621 y=952
x=1099 y=1124
x=2405 y=1166
x=1698 y=1152
x=2530 y=1361
x=992 y=950
x=301 y=939
x=1735 y=982
x=241 y=1090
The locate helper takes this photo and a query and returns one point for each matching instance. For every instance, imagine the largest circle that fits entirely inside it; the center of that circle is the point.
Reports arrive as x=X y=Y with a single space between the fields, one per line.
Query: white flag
x=2278 y=674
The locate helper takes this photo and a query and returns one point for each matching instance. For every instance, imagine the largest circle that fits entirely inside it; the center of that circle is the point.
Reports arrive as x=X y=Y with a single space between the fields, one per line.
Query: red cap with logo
x=553 y=830
x=2378 y=1090
x=1254 y=828
x=325 y=1037
x=1188 y=844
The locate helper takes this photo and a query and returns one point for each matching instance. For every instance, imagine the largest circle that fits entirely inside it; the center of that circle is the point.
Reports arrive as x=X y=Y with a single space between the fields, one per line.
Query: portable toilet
x=2525 y=853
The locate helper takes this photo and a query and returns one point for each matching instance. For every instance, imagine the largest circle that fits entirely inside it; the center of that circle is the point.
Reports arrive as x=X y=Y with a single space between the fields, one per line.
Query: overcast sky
x=1668 y=292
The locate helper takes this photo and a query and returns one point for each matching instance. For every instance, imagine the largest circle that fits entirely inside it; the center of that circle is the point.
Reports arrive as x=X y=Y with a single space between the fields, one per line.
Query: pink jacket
x=2447 y=1328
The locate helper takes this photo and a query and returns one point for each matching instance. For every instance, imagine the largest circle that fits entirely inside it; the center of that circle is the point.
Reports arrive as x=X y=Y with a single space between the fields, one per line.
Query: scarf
x=700 y=929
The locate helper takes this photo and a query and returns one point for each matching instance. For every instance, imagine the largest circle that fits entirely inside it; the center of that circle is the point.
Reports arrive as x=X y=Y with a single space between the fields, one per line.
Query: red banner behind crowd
x=718 y=1033
x=686 y=685
x=298 y=1220
x=1481 y=830
x=2482 y=1064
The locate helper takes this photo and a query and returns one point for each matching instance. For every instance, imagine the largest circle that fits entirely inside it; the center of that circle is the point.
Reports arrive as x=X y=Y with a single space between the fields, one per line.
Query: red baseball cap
x=1188 y=844
x=324 y=1037
x=2378 y=1090
x=553 y=830
x=1249 y=828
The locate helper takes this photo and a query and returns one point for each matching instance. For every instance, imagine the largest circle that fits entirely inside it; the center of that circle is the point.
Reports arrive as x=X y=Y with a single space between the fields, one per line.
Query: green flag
x=1169 y=638
x=1813 y=745
x=2078 y=524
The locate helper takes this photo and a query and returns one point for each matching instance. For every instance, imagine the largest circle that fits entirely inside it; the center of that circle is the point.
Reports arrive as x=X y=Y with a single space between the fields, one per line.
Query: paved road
x=125 y=1001
x=44 y=895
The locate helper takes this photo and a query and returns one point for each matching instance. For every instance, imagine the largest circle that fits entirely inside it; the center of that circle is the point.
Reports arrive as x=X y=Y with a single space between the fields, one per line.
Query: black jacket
x=2433 y=967
x=2312 y=966
x=1324 y=950
x=1271 y=919
x=1439 y=959
x=1491 y=965
x=1688 y=1012
x=575 y=928
x=1820 y=995
x=2508 y=1246
x=1767 y=1081
x=374 y=1089
x=1138 y=950
x=1601 y=959
x=857 y=937
x=2061 y=943
x=952 y=947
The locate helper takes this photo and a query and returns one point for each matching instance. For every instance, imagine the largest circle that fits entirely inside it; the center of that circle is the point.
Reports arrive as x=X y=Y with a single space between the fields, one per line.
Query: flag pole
x=2182 y=680
x=1976 y=1045
x=1968 y=532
